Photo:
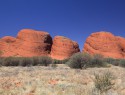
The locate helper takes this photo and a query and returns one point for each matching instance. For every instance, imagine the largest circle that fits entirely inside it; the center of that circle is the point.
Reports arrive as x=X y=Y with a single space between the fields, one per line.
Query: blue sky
x=75 y=19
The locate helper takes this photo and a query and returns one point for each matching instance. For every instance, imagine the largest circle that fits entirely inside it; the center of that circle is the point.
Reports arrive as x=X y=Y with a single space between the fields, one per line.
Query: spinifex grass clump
x=103 y=82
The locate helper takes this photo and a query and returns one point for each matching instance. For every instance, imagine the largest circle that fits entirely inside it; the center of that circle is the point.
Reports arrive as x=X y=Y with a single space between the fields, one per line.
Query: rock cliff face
x=63 y=48
x=30 y=43
x=106 y=44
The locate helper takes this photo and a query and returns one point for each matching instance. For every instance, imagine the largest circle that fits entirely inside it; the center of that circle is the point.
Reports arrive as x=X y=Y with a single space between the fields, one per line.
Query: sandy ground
x=40 y=80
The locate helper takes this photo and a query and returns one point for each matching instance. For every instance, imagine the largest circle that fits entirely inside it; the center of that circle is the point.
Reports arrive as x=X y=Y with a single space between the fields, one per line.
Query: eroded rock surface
x=63 y=47
x=106 y=44
x=28 y=43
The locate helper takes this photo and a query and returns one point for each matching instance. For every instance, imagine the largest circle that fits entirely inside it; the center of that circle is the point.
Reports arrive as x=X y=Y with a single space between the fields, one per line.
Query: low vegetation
x=84 y=60
x=122 y=63
x=30 y=61
x=76 y=61
x=79 y=61
x=55 y=61
x=103 y=82
x=29 y=76
x=26 y=61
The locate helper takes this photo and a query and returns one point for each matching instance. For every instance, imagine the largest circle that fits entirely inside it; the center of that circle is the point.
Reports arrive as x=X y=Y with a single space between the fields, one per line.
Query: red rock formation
x=30 y=43
x=34 y=43
x=9 y=39
x=106 y=44
x=6 y=46
x=27 y=43
x=63 y=48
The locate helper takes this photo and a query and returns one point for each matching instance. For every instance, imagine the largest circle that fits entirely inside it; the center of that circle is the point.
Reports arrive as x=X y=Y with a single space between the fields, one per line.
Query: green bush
x=98 y=61
x=55 y=61
x=103 y=82
x=79 y=61
x=44 y=61
x=116 y=62
x=109 y=60
x=14 y=61
x=65 y=60
x=84 y=60
x=17 y=61
x=35 y=61
x=1 y=61
x=122 y=63
x=25 y=61
x=7 y=61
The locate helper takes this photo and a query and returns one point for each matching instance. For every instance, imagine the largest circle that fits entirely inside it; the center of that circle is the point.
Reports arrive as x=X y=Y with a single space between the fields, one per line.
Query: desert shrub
x=25 y=61
x=11 y=61
x=122 y=63
x=103 y=82
x=55 y=61
x=17 y=61
x=44 y=61
x=109 y=60
x=7 y=61
x=79 y=61
x=1 y=61
x=97 y=61
x=35 y=61
x=65 y=60
x=14 y=61
x=116 y=62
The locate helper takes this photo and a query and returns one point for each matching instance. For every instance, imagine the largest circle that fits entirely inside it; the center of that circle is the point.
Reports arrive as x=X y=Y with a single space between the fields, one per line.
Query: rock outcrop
x=27 y=43
x=30 y=43
x=106 y=44
x=34 y=43
x=63 y=48
x=7 y=44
